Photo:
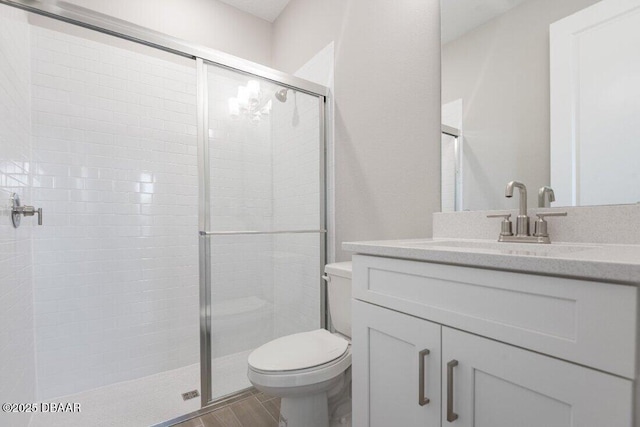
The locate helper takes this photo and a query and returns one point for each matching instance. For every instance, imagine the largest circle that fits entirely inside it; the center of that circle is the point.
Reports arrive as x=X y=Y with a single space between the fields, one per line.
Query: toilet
x=310 y=371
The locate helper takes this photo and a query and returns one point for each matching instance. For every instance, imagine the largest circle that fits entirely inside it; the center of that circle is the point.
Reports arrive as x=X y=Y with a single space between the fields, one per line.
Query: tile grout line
x=235 y=416
x=265 y=408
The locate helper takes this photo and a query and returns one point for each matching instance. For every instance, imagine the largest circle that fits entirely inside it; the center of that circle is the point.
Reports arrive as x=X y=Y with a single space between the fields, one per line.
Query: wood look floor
x=256 y=410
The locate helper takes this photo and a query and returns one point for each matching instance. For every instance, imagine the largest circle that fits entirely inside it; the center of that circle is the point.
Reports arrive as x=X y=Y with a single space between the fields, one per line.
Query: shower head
x=281 y=95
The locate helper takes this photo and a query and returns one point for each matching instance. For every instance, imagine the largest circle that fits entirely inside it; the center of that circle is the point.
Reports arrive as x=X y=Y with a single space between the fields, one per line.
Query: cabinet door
x=390 y=351
x=498 y=385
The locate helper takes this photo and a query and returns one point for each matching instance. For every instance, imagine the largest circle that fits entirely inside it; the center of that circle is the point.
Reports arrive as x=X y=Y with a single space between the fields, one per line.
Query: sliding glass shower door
x=261 y=220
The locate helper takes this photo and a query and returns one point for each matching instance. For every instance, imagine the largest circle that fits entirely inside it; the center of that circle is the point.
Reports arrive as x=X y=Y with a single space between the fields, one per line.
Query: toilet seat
x=300 y=360
x=298 y=351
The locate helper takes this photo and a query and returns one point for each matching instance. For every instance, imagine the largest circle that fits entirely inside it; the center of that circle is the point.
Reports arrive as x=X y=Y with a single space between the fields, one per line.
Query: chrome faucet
x=522 y=221
x=523 y=235
x=546 y=196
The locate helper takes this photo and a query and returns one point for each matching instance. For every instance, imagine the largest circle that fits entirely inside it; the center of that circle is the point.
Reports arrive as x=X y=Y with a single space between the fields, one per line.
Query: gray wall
x=501 y=72
x=207 y=22
x=387 y=94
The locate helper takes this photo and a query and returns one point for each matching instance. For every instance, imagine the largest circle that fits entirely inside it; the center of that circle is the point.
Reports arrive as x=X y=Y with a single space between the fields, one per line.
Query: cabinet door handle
x=422 y=400
x=451 y=416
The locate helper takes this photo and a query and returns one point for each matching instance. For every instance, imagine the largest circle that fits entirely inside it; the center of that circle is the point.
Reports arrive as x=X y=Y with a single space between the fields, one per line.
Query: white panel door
x=389 y=349
x=498 y=385
x=595 y=107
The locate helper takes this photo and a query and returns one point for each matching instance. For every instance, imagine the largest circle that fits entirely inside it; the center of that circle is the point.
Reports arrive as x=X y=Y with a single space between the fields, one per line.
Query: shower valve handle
x=17 y=210
x=29 y=211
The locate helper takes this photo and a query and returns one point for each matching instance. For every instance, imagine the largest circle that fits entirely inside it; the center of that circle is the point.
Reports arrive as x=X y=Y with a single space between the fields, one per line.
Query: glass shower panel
x=265 y=239
x=262 y=287
x=115 y=270
x=264 y=154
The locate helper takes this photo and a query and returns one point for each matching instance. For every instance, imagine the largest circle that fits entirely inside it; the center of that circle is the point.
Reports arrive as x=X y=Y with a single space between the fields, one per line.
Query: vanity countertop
x=601 y=262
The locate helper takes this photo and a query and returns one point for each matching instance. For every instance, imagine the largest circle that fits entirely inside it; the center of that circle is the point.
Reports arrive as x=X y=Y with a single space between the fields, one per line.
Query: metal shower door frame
x=86 y=18
x=204 y=221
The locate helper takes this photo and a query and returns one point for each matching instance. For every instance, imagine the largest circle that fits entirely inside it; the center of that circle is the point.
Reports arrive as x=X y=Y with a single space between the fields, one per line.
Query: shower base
x=149 y=400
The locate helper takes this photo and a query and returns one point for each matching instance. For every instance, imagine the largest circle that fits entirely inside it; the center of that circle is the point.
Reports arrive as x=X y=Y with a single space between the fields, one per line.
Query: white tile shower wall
x=241 y=199
x=17 y=367
x=296 y=189
x=115 y=266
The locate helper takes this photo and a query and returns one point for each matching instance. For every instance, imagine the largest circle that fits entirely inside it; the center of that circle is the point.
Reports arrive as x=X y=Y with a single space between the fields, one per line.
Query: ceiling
x=266 y=9
x=461 y=16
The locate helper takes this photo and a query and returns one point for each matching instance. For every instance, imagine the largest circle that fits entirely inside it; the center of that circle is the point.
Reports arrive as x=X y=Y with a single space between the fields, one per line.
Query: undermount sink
x=532 y=249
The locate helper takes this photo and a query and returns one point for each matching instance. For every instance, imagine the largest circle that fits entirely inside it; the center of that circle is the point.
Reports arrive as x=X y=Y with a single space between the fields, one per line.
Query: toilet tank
x=338 y=277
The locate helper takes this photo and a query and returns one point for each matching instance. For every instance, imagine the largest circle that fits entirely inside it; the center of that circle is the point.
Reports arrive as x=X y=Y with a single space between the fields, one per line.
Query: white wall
x=304 y=28
x=17 y=367
x=206 y=22
x=594 y=109
x=501 y=72
x=387 y=94
x=115 y=171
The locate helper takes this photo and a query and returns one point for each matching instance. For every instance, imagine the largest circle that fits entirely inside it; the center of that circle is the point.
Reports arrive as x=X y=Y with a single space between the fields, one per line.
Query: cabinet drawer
x=590 y=323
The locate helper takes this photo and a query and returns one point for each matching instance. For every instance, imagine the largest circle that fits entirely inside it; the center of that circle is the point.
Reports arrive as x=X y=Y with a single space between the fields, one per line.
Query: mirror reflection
x=545 y=92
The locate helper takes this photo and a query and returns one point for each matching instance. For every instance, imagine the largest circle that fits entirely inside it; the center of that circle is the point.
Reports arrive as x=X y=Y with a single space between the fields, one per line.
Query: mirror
x=546 y=92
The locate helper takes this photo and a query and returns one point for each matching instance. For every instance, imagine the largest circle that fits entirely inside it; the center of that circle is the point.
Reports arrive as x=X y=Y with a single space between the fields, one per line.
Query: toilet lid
x=298 y=351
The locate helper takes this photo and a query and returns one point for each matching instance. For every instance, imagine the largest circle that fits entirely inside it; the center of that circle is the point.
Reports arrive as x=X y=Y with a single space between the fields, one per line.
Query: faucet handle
x=505 y=226
x=543 y=215
x=505 y=216
x=540 y=226
x=546 y=195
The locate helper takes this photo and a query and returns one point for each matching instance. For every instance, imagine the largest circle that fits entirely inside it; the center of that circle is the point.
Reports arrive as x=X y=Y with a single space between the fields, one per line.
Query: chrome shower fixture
x=281 y=95
x=17 y=209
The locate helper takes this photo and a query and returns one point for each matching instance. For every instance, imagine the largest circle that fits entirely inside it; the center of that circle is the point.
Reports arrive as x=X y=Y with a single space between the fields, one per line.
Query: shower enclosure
x=261 y=220
x=183 y=193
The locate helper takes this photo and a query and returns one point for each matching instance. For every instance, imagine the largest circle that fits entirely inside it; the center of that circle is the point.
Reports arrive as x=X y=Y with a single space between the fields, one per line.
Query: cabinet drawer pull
x=422 y=400
x=451 y=416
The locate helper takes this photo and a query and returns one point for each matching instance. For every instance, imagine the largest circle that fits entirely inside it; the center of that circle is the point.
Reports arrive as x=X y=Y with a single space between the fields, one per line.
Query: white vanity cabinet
x=499 y=385
x=511 y=349
x=393 y=351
